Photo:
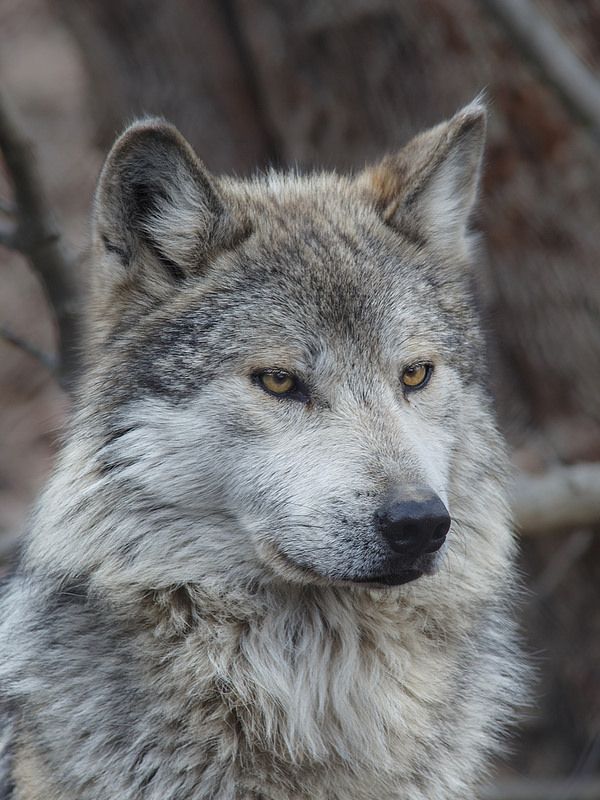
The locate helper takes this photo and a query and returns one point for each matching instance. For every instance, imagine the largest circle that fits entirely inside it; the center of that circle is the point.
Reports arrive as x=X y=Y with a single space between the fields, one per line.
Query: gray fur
x=186 y=620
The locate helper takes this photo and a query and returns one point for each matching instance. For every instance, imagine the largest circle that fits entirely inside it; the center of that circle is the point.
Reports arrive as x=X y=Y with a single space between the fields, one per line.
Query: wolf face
x=275 y=557
x=283 y=370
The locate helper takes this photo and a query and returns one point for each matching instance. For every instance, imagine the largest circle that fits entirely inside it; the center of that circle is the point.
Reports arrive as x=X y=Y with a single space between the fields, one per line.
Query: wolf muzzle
x=414 y=523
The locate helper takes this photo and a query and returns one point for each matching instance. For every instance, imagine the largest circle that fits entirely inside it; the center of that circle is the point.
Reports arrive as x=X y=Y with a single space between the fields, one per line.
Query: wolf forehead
x=189 y=263
x=304 y=288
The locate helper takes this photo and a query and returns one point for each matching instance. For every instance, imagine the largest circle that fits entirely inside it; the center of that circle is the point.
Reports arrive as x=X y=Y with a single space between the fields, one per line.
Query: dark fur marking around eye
x=299 y=390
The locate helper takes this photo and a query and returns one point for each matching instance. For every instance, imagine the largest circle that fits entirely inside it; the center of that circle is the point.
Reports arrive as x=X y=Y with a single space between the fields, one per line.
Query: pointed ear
x=157 y=213
x=428 y=189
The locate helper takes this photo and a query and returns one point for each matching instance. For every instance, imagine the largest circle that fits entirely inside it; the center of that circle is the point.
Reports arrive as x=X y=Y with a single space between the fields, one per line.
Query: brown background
x=335 y=83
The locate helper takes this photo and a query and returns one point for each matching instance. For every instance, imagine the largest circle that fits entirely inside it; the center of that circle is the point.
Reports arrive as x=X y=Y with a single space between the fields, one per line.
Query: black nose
x=417 y=523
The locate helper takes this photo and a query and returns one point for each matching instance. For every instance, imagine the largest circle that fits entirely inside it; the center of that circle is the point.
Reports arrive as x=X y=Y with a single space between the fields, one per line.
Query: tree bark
x=181 y=60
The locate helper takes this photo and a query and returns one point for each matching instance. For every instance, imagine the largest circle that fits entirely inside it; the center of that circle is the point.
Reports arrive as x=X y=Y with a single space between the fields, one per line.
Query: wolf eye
x=416 y=376
x=278 y=382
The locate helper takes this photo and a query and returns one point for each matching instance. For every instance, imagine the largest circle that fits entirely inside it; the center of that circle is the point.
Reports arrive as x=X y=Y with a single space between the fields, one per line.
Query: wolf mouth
x=384 y=579
x=397 y=578
x=391 y=579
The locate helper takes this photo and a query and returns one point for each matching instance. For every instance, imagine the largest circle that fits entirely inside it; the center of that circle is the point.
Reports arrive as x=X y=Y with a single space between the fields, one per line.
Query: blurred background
x=336 y=83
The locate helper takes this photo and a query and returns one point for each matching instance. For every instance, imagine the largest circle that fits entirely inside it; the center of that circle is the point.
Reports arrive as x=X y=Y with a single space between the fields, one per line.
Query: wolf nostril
x=414 y=525
x=410 y=530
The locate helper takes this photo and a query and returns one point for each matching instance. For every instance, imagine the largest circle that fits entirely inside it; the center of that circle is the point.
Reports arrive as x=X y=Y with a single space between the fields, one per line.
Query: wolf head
x=285 y=377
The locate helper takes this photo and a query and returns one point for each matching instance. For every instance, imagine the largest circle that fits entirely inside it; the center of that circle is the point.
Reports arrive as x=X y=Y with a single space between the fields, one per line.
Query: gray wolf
x=275 y=559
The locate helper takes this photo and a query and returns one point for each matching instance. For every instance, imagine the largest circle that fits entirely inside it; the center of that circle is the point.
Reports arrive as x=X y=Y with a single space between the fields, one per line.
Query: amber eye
x=277 y=382
x=415 y=376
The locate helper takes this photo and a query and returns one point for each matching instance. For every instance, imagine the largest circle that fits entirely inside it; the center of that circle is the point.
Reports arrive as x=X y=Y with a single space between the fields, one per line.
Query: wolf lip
x=392 y=579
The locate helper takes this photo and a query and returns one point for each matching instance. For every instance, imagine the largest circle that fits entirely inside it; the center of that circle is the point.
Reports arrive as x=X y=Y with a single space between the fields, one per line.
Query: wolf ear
x=157 y=212
x=428 y=189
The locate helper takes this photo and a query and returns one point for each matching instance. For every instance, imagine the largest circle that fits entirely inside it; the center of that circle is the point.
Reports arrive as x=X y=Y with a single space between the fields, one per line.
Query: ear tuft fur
x=428 y=189
x=156 y=207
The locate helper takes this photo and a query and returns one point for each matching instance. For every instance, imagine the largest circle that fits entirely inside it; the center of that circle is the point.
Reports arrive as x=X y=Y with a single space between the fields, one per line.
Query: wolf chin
x=275 y=559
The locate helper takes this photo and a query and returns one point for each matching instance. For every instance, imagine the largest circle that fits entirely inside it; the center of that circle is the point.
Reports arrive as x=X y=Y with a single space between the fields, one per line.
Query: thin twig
x=50 y=362
x=562 y=498
x=37 y=236
x=550 y=54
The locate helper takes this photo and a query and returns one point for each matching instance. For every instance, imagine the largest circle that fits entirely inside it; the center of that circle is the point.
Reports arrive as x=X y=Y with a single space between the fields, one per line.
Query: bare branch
x=37 y=236
x=562 y=498
x=550 y=54
x=47 y=360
